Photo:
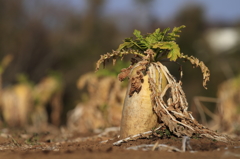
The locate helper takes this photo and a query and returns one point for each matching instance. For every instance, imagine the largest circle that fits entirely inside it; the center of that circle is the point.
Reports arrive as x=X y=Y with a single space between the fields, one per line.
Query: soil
x=56 y=144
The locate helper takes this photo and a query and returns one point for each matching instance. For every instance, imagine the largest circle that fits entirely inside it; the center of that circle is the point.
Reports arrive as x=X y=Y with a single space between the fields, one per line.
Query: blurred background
x=48 y=51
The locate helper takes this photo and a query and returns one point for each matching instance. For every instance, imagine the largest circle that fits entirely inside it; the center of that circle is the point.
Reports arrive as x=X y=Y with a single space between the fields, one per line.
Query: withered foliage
x=136 y=79
x=124 y=73
x=196 y=63
x=114 y=55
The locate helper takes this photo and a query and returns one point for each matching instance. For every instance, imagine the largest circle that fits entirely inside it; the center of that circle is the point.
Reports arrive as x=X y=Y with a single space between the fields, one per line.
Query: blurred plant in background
x=229 y=106
x=101 y=104
x=24 y=103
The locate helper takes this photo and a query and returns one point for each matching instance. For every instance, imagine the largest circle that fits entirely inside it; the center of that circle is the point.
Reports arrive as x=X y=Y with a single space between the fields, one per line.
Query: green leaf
x=156 y=33
x=174 y=50
x=174 y=54
x=137 y=33
x=174 y=34
x=124 y=45
x=150 y=40
x=159 y=41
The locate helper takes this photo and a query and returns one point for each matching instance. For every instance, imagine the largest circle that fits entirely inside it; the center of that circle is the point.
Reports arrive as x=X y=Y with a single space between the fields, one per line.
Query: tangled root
x=171 y=106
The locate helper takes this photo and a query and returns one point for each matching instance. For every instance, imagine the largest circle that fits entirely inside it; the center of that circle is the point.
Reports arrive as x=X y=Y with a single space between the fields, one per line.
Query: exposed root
x=104 y=136
x=135 y=137
x=164 y=147
x=171 y=106
x=159 y=147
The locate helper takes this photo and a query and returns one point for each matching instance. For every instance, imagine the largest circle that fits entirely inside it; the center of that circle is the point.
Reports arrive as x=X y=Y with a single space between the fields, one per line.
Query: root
x=171 y=106
x=164 y=147
x=135 y=137
x=159 y=147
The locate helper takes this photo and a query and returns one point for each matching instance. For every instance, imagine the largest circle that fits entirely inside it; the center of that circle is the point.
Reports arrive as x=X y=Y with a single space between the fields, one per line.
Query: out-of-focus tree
x=142 y=11
x=27 y=40
x=80 y=43
x=53 y=38
x=193 y=18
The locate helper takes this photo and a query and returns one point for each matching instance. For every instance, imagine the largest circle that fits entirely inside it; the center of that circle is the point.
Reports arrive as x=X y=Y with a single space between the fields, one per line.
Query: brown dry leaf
x=203 y=67
x=136 y=85
x=136 y=79
x=114 y=55
x=124 y=73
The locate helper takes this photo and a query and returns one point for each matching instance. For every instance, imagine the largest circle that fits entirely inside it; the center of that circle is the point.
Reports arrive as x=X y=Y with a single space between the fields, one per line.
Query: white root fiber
x=171 y=106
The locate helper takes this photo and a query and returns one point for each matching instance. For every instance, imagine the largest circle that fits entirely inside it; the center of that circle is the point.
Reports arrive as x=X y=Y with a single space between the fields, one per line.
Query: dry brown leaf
x=205 y=71
x=124 y=73
x=136 y=79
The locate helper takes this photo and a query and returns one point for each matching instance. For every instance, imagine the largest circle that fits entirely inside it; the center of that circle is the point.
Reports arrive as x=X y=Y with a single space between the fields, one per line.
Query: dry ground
x=24 y=144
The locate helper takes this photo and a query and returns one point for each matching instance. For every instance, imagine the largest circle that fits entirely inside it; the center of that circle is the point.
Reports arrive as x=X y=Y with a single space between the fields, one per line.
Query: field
x=24 y=144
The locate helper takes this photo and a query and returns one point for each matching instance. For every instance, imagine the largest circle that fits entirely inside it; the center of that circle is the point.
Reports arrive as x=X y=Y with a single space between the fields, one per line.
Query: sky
x=215 y=10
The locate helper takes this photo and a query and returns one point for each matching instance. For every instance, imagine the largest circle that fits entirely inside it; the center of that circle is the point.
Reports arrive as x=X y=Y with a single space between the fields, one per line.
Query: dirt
x=24 y=144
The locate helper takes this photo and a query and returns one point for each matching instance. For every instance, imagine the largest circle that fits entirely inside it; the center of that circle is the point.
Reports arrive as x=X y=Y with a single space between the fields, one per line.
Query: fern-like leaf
x=174 y=50
x=137 y=33
x=159 y=42
x=174 y=34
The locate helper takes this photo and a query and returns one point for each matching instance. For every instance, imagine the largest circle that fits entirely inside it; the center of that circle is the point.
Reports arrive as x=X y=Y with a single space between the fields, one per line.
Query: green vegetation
x=158 y=41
